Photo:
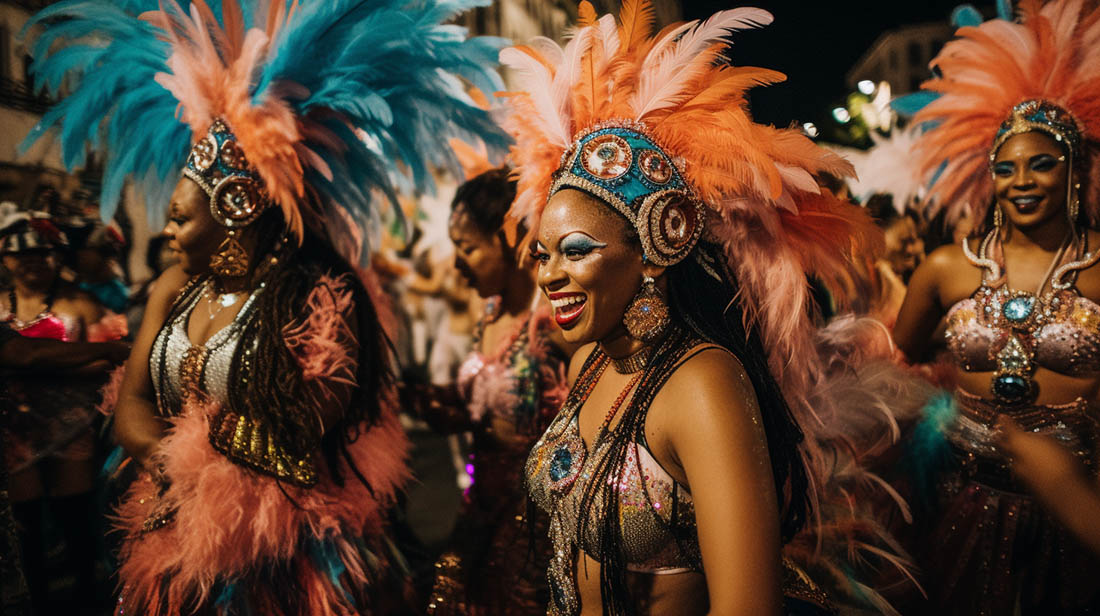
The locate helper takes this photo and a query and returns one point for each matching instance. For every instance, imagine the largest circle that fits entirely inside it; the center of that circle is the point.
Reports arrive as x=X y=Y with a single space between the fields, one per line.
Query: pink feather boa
x=229 y=518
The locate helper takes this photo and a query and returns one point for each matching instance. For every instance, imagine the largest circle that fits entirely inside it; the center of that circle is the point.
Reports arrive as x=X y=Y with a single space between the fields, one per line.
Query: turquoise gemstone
x=1018 y=309
x=1011 y=387
x=560 y=463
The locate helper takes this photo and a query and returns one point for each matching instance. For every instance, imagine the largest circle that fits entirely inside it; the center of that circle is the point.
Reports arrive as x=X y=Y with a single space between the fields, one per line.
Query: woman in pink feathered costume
x=258 y=399
x=508 y=389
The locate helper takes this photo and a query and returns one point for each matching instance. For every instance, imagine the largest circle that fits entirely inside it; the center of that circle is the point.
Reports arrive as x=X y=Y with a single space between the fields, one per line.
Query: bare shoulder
x=73 y=295
x=166 y=287
x=948 y=257
x=73 y=300
x=1088 y=281
x=715 y=382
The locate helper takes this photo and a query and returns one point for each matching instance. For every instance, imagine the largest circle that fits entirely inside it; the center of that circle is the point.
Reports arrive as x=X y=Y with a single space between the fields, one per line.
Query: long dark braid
x=271 y=385
x=703 y=310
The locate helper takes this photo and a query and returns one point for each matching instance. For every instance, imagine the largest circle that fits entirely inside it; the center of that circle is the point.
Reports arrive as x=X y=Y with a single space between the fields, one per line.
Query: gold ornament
x=647 y=317
x=231 y=260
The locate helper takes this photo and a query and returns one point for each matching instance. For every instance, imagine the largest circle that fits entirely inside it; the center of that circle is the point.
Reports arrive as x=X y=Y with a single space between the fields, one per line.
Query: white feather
x=659 y=86
x=536 y=80
x=569 y=73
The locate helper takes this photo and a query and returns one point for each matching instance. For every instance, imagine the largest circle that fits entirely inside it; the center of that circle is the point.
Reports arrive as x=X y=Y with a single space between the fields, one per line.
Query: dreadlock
x=703 y=310
x=272 y=389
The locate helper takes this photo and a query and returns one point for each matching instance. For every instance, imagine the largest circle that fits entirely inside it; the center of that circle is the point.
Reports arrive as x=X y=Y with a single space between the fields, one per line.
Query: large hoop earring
x=231 y=260
x=647 y=317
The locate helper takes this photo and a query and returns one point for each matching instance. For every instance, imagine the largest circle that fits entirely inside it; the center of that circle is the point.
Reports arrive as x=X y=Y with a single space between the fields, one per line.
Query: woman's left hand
x=1038 y=460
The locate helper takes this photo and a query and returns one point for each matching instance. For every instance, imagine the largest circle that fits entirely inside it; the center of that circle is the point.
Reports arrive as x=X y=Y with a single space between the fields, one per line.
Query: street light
x=866 y=86
x=841 y=115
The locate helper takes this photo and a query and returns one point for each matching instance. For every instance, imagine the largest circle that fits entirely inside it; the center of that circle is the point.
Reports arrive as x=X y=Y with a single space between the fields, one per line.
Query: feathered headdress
x=302 y=105
x=886 y=168
x=1000 y=78
x=658 y=127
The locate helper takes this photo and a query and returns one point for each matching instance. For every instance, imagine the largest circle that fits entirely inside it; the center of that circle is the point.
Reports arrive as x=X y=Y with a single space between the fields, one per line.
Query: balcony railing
x=17 y=95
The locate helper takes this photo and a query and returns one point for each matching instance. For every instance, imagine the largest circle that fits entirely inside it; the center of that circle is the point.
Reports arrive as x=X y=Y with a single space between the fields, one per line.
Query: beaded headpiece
x=218 y=165
x=624 y=167
x=1042 y=116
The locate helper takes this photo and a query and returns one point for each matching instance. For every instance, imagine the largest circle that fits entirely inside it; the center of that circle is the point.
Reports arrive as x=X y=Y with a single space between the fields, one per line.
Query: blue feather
x=966 y=15
x=928 y=452
x=388 y=68
x=910 y=104
x=1005 y=11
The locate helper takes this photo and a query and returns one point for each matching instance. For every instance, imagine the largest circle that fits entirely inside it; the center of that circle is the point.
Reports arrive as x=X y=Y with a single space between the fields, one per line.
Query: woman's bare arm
x=710 y=419
x=923 y=307
x=137 y=427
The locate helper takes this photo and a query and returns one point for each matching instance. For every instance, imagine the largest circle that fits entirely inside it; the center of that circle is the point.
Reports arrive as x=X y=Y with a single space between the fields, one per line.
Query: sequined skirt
x=992 y=548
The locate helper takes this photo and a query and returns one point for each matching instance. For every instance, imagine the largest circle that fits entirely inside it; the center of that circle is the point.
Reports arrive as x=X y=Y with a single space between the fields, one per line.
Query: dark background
x=815 y=43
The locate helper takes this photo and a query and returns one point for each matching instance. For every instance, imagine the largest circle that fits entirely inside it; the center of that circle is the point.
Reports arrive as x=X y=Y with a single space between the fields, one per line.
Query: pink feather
x=229 y=518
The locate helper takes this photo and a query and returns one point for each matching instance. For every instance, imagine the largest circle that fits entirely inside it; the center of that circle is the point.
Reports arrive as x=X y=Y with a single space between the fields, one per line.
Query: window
x=916 y=54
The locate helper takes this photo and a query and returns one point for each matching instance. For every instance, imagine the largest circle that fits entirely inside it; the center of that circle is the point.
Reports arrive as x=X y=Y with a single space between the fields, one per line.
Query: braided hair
x=272 y=390
x=705 y=309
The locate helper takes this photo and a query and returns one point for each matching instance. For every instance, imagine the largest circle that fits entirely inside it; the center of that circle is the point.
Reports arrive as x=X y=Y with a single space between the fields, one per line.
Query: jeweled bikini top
x=1012 y=332
x=657 y=515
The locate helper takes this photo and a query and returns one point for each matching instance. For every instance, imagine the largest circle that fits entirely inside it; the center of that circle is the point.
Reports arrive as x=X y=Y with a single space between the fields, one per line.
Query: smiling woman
x=507 y=390
x=1013 y=137
x=677 y=467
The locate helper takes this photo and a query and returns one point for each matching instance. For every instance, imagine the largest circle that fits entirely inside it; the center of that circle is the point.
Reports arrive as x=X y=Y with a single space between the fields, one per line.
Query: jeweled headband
x=218 y=164
x=621 y=165
x=1042 y=116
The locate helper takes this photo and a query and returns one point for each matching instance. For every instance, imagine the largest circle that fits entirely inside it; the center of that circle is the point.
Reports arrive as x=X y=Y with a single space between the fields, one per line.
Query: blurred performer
x=904 y=252
x=1016 y=126
x=509 y=388
x=258 y=395
x=675 y=238
x=49 y=449
x=36 y=354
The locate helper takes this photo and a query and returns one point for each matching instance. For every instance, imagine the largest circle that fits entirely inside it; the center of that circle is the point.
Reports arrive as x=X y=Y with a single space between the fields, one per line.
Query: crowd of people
x=662 y=359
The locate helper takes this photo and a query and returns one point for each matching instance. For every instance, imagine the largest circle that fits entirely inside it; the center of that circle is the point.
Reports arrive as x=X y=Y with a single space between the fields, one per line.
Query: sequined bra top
x=177 y=365
x=1058 y=330
x=656 y=513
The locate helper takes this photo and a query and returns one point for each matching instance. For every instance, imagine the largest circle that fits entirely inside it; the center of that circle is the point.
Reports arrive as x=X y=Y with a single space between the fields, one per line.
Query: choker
x=633 y=363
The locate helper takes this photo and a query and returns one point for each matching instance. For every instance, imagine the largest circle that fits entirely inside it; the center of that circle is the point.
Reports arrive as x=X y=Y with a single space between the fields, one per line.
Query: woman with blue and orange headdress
x=257 y=400
x=1011 y=139
x=674 y=239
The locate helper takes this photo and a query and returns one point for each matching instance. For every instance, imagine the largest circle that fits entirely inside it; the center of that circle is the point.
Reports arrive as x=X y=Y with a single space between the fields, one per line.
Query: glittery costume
x=511 y=394
x=987 y=546
x=656 y=126
x=656 y=513
x=296 y=115
x=326 y=544
x=992 y=540
x=50 y=417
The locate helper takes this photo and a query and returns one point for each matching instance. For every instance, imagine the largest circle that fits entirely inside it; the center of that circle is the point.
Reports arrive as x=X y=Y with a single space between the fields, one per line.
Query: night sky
x=815 y=42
